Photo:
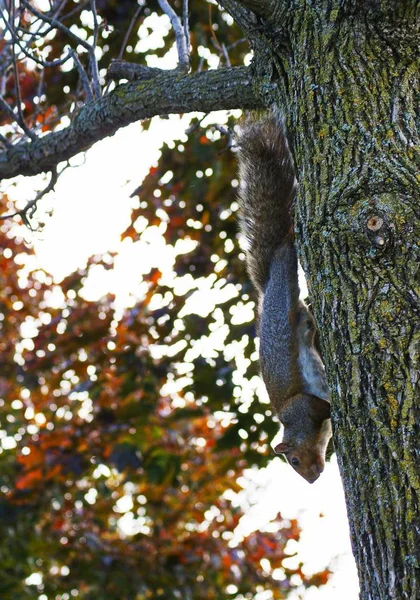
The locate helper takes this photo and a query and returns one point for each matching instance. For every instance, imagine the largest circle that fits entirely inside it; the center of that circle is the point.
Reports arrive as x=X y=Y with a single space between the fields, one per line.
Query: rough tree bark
x=164 y=93
x=346 y=73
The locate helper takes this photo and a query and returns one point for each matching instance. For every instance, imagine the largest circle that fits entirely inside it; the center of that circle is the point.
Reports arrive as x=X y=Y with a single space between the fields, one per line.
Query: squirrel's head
x=307 y=431
x=309 y=463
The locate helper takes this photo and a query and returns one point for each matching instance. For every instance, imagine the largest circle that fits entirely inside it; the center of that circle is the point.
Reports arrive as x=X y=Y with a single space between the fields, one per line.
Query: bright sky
x=91 y=207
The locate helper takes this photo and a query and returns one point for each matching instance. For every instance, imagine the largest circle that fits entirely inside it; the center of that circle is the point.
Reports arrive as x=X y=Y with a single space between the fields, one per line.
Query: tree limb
x=246 y=20
x=259 y=7
x=130 y=28
x=122 y=69
x=28 y=212
x=180 y=37
x=93 y=64
x=57 y=25
x=270 y=12
x=167 y=93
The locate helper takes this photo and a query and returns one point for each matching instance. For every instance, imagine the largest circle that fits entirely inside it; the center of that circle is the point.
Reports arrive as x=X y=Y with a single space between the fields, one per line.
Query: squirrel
x=291 y=367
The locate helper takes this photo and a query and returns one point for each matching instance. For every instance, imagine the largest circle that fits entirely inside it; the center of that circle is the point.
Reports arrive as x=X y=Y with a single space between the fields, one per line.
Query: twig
x=3 y=84
x=226 y=55
x=57 y=24
x=57 y=62
x=15 y=40
x=40 y=85
x=221 y=48
x=181 y=42
x=234 y=44
x=31 y=205
x=92 y=58
x=229 y=134
x=35 y=34
x=5 y=141
x=16 y=118
x=73 y=12
x=44 y=63
x=130 y=28
x=200 y=64
x=19 y=118
x=95 y=22
x=186 y=24
x=82 y=75
x=194 y=126
x=75 y=38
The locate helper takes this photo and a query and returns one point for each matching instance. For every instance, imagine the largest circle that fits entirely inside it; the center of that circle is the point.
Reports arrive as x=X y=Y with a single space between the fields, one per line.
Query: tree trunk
x=347 y=74
x=358 y=159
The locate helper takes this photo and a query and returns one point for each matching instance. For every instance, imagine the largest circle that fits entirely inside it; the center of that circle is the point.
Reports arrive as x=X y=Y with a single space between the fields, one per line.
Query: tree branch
x=130 y=28
x=246 y=20
x=180 y=37
x=185 y=24
x=259 y=7
x=122 y=69
x=270 y=11
x=56 y=24
x=167 y=93
x=84 y=80
x=93 y=64
x=28 y=212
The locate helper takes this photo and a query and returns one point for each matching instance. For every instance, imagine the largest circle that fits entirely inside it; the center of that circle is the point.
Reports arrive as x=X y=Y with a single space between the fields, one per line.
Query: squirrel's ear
x=282 y=448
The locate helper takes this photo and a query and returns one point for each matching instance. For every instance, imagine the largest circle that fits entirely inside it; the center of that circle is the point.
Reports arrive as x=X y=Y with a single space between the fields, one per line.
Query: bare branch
x=130 y=28
x=228 y=133
x=263 y=8
x=121 y=69
x=79 y=7
x=8 y=109
x=186 y=23
x=92 y=58
x=181 y=41
x=95 y=22
x=246 y=19
x=57 y=24
x=19 y=43
x=84 y=80
x=237 y=43
x=167 y=93
x=17 y=119
x=40 y=61
x=28 y=212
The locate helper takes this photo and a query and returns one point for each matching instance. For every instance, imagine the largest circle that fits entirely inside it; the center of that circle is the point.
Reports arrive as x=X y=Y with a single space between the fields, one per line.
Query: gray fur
x=265 y=197
x=291 y=368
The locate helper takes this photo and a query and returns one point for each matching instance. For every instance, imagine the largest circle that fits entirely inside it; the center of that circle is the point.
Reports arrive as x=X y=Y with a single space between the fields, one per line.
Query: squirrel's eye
x=295 y=461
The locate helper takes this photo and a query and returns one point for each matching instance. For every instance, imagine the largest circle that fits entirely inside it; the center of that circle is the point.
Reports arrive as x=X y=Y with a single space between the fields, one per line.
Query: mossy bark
x=356 y=141
x=164 y=93
x=347 y=75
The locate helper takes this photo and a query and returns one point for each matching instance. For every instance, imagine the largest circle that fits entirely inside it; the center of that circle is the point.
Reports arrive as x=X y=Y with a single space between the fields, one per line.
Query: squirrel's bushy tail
x=267 y=191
